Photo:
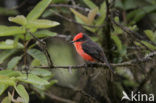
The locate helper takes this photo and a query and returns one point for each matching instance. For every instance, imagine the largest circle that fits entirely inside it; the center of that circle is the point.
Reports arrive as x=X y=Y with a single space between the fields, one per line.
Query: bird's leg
x=89 y=64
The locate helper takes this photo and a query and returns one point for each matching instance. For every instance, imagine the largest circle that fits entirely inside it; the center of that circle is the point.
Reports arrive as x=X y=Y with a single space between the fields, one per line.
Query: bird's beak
x=72 y=42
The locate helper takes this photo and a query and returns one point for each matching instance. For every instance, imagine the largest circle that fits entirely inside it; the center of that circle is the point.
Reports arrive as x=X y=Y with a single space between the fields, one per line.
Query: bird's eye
x=81 y=39
x=78 y=40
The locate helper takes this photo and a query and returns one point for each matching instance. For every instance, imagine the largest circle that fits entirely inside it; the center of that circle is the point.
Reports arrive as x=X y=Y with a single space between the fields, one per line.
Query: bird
x=89 y=50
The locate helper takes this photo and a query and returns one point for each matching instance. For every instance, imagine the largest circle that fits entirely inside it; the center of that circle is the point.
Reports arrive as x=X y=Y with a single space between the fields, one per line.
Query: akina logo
x=138 y=97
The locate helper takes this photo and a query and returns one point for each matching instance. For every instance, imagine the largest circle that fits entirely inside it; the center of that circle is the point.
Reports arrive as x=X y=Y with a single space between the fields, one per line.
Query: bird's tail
x=108 y=64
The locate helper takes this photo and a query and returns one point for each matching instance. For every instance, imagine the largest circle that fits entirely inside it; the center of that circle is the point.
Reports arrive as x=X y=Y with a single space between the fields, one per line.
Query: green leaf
x=23 y=93
x=9 y=44
x=6 y=100
x=117 y=42
x=5 y=54
x=39 y=34
x=123 y=51
x=41 y=23
x=81 y=16
x=101 y=18
x=60 y=1
x=90 y=4
x=86 y=27
x=10 y=73
x=16 y=41
x=7 y=11
x=37 y=54
x=149 y=45
x=38 y=9
x=146 y=44
x=13 y=62
x=41 y=72
x=32 y=79
x=136 y=15
x=3 y=87
x=11 y=30
x=44 y=33
x=91 y=15
x=150 y=35
x=35 y=62
x=19 y=19
x=7 y=81
x=52 y=82
x=129 y=4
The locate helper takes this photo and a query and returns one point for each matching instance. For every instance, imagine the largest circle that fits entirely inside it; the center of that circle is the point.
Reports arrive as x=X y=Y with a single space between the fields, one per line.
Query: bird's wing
x=95 y=51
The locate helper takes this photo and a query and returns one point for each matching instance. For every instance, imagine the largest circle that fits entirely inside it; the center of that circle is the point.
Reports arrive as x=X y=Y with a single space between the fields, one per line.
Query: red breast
x=78 y=46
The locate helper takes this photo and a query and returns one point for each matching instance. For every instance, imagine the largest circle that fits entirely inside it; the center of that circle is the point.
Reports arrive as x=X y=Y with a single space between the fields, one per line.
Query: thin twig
x=82 y=92
x=73 y=21
x=144 y=81
x=130 y=32
x=44 y=48
x=128 y=63
x=70 y=6
x=25 y=55
x=60 y=99
x=20 y=5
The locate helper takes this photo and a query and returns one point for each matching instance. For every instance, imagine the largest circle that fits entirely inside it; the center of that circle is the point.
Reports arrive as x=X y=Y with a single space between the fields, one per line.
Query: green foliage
x=13 y=62
x=6 y=54
x=151 y=36
x=22 y=92
x=90 y=19
x=136 y=15
x=10 y=44
x=19 y=19
x=37 y=54
x=90 y=4
x=11 y=30
x=6 y=100
x=5 y=11
x=38 y=10
x=137 y=9
x=10 y=77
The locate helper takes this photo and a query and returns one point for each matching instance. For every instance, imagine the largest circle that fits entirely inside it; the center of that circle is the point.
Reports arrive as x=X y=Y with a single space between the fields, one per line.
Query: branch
x=130 y=32
x=81 y=91
x=73 y=21
x=60 y=99
x=62 y=36
x=128 y=63
x=144 y=81
x=44 y=49
x=70 y=6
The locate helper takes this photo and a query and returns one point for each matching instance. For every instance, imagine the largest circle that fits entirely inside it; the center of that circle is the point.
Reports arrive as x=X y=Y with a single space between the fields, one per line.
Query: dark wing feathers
x=94 y=50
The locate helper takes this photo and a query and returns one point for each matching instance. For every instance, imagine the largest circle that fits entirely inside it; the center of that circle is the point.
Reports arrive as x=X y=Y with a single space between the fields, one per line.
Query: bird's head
x=80 y=37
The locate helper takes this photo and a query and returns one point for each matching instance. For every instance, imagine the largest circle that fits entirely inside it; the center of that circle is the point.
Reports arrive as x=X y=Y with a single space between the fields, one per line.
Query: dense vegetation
x=38 y=64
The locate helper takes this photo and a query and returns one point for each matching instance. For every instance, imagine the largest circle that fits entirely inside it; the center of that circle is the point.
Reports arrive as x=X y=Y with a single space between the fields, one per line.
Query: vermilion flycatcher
x=89 y=50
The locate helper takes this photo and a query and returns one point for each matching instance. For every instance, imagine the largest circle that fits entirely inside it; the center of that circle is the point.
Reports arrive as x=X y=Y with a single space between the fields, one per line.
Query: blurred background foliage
x=55 y=22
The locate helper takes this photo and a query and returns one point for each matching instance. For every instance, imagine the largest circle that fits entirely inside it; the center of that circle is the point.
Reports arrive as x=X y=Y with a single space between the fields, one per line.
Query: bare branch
x=60 y=99
x=70 y=6
x=144 y=81
x=131 y=33
x=124 y=64
x=73 y=21
x=44 y=49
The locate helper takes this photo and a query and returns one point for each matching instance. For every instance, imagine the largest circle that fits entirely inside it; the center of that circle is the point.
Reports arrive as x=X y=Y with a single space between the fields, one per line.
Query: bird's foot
x=90 y=64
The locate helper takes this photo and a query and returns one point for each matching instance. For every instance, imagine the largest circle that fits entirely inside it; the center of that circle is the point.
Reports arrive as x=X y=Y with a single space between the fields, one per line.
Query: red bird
x=89 y=50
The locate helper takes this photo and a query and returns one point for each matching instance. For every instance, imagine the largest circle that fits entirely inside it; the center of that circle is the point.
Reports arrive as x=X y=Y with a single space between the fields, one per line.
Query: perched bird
x=89 y=50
